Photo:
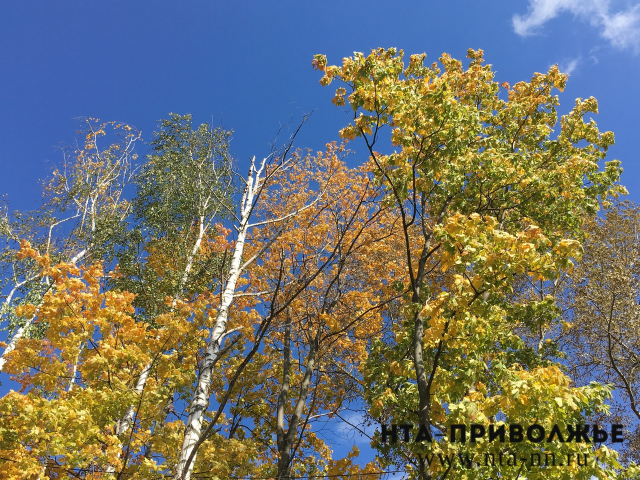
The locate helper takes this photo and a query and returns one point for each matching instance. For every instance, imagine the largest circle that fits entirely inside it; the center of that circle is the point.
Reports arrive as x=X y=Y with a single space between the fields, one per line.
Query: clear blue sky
x=247 y=65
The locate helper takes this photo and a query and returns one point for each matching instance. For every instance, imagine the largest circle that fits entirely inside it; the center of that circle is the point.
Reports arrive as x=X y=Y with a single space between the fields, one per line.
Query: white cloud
x=569 y=67
x=621 y=28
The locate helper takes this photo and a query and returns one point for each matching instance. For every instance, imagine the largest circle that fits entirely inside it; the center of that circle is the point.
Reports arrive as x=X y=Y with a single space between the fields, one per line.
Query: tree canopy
x=454 y=285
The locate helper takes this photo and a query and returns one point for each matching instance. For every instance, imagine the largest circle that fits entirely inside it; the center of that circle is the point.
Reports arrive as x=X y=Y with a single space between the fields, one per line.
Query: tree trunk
x=284 y=447
x=282 y=398
x=200 y=400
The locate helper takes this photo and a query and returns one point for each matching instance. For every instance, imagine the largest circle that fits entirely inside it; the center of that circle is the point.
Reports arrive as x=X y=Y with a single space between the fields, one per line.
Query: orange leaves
x=26 y=251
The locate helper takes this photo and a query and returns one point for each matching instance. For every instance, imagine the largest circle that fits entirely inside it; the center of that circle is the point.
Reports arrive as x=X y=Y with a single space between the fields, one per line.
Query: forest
x=454 y=276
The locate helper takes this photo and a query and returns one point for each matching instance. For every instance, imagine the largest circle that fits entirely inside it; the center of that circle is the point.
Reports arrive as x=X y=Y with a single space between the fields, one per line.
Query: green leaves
x=489 y=202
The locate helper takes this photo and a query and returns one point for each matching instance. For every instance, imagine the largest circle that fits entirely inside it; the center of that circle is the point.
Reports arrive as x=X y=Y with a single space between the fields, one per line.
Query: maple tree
x=341 y=244
x=484 y=194
x=83 y=195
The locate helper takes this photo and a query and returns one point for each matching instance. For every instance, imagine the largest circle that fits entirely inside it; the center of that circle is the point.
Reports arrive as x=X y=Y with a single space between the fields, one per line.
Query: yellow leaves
x=338 y=100
x=402 y=368
x=330 y=321
x=424 y=313
x=363 y=124
x=480 y=242
x=415 y=63
x=319 y=62
x=455 y=224
x=329 y=74
x=476 y=55
x=27 y=311
x=477 y=282
x=497 y=200
x=434 y=331
x=533 y=232
x=434 y=306
x=388 y=396
x=569 y=247
x=346 y=467
x=26 y=251
x=349 y=133
x=476 y=396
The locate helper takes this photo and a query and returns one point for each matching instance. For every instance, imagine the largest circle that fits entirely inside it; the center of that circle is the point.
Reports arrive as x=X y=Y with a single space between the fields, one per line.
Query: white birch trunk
x=200 y=400
x=12 y=343
x=11 y=346
x=74 y=371
x=20 y=332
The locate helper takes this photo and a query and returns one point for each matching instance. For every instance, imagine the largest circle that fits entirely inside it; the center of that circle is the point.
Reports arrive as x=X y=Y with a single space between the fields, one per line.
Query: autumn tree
x=78 y=378
x=81 y=218
x=601 y=311
x=183 y=192
x=340 y=248
x=485 y=193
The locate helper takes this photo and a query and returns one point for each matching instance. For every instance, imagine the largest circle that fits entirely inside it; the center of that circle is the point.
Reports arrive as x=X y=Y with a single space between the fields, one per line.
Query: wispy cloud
x=621 y=29
x=570 y=66
x=352 y=425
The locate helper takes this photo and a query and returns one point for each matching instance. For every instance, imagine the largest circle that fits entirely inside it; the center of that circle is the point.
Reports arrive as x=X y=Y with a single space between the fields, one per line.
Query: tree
x=484 y=194
x=78 y=377
x=313 y=356
x=85 y=195
x=600 y=302
x=183 y=191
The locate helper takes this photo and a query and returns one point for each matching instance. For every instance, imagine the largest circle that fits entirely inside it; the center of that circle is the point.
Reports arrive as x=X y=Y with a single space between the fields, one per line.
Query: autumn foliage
x=215 y=323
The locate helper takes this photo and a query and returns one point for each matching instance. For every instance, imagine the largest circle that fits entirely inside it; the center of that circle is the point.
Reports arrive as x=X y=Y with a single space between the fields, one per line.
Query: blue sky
x=247 y=66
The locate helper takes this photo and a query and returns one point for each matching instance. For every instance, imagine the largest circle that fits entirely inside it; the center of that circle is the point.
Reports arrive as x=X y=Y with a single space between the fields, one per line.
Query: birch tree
x=82 y=216
x=183 y=191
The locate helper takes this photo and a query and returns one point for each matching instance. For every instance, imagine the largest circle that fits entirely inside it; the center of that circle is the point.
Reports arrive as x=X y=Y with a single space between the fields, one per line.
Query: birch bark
x=202 y=392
